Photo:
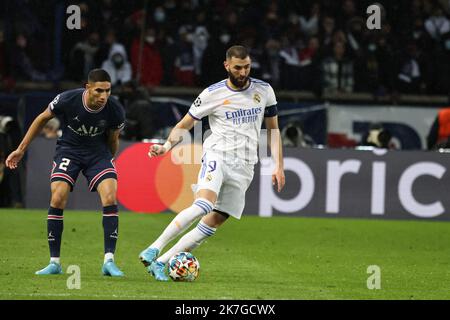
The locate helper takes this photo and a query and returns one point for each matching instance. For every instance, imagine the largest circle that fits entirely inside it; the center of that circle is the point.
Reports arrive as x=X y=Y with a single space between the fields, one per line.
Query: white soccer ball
x=184 y=266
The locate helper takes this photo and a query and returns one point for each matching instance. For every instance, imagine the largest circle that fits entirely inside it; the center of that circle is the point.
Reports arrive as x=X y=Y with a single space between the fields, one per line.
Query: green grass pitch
x=255 y=258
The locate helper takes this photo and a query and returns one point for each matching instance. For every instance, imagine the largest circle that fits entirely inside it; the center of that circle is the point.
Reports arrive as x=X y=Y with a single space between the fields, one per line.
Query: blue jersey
x=82 y=127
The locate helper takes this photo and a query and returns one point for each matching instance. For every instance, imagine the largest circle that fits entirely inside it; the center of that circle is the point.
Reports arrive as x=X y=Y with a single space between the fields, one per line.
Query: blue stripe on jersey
x=207 y=205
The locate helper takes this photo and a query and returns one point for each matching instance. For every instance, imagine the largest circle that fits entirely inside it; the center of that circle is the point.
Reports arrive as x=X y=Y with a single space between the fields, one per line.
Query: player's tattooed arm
x=35 y=128
x=113 y=141
x=175 y=137
x=276 y=148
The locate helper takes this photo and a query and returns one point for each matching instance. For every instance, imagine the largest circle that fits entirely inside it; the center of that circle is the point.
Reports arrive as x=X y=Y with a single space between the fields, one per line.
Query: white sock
x=182 y=221
x=108 y=256
x=55 y=259
x=189 y=241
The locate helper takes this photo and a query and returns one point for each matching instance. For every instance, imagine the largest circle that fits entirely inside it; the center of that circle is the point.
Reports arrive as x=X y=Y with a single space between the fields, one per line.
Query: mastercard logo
x=153 y=185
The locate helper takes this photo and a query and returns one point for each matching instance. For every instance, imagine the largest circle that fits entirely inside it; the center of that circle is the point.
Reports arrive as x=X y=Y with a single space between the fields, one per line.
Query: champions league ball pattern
x=184 y=266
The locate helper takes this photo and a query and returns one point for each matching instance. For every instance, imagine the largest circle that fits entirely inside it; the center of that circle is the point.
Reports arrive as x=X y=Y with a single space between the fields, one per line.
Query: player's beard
x=238 y=83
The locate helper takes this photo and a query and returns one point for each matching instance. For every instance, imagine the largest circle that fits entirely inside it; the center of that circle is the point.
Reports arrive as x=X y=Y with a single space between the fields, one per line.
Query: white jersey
x=235 y=118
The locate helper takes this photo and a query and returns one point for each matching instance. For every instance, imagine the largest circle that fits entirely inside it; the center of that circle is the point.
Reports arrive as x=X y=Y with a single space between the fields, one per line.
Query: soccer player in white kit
x=236 y=108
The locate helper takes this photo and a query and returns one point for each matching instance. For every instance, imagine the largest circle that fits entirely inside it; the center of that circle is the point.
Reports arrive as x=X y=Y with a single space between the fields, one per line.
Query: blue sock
x=55 y=228
x=110 y=227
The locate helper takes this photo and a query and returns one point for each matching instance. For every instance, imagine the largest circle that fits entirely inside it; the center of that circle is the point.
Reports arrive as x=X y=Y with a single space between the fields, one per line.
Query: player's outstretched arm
x=175 y=137
x=276 y=148
x=36 y=127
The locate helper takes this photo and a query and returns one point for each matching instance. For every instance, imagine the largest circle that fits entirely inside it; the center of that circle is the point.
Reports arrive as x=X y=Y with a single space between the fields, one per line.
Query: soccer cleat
x=148 y=256
x=110 y=269
x=157 y=269
x=52 y=268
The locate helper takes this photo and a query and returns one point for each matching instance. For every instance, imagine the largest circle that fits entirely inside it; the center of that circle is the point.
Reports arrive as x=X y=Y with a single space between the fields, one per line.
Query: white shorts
x=228 y=181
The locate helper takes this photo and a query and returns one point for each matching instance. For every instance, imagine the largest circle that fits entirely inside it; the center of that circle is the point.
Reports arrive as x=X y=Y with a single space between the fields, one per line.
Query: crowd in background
x=320 y=46
x=323 y=46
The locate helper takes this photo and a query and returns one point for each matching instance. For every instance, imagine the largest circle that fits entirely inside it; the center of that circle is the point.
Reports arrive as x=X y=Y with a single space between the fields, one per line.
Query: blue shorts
x=96 y=167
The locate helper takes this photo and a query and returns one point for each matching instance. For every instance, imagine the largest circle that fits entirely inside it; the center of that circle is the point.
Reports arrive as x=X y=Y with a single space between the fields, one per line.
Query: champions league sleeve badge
x=198 y=102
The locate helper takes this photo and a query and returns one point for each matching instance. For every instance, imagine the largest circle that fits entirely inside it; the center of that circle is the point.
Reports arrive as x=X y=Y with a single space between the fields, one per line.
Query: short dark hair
x=98 y=75
x=239 y=52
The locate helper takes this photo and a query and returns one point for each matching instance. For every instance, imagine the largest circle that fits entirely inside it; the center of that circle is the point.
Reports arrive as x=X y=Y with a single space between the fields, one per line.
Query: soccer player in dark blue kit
x=91 y=125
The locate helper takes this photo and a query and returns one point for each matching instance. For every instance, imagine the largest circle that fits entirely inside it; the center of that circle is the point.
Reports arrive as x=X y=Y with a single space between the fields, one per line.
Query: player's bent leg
x=55 y=225
x=191 y=240
x=215 y=219
x=107 y=189
x=206 y=228
x=203 y=204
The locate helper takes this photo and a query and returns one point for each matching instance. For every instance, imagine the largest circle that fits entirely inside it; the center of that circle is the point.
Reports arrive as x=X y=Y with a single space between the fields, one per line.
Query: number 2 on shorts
x=64 y=164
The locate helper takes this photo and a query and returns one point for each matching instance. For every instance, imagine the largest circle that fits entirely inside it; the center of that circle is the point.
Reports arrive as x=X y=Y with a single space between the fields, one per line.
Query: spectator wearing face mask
x=117 y=65
x=149 y=68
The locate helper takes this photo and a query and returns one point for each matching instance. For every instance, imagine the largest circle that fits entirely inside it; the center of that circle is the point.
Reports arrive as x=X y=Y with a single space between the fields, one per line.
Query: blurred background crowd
x=318 y=47
x=321 y=46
